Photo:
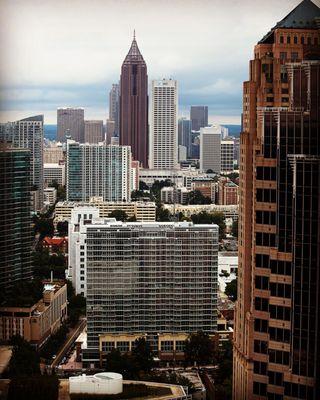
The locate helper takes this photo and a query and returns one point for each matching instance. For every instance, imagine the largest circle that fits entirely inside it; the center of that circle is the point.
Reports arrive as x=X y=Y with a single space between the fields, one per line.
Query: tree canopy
x=211 y=218
x=119 y=215
x=25 y=360
x=199 y=348
x=232 y=290
x=196 y=197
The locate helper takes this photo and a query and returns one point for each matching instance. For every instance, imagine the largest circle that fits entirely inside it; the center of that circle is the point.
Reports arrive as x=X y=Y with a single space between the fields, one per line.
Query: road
x=69 y=343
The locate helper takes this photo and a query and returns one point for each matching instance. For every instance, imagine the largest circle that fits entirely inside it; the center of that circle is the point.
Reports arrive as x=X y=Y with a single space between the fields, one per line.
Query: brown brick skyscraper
x=134 y=104
x=277 y=324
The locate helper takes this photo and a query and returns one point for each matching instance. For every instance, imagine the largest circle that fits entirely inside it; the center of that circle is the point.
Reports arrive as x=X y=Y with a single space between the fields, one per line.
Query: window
x=279 y=312
x=295 y=40
x=288 y=39
x=260 y=367
x=266 y=195
x=275 y=378
x=167 y=345
x=302 y=40
x=123 y=347
x=281 y=39
x=294 y=56
x=279 y=335
x=260 y=346
x=180 y=345
x=280 y=290
x=261 y=304
x=285 y=99
x=262 y=261
x=283 y=55
x=107 y=346
x=262 y=282
x=260 y=325
x=278 y=357
x=259 y=388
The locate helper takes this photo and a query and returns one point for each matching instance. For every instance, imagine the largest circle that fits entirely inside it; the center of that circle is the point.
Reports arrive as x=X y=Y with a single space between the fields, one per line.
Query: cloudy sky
x=69 y=52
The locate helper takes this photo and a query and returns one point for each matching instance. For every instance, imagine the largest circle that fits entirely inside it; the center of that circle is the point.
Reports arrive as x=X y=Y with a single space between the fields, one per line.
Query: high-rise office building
x=227 y=155
x=277 y=325
x=110 y=130
x=163 y=127
x=148 y=279
x=15 y=222
x=184 y=134
x=93 y=131
x=134 y=105
x=98 y=170
x=114 y=106
x=198 y=117
x=28 y=133
x=210 y=149
x=70 y=124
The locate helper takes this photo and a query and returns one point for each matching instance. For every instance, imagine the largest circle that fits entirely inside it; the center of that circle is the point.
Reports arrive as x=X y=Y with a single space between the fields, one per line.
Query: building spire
x=134 y=34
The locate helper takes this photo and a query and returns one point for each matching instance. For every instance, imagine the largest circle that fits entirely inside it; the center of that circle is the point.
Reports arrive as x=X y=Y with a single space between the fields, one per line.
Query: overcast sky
x=68 y=52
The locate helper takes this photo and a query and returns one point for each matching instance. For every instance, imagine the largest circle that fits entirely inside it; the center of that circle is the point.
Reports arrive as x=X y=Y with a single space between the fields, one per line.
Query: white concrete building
x=103 y=383
x=210 y=148
x=77 y=269
x=50 y=196
x=180 y=177
x=227 y=268
x=53 y=154
x=227 y=156
x=189 y=209
x=54 y=172
x=164 y=124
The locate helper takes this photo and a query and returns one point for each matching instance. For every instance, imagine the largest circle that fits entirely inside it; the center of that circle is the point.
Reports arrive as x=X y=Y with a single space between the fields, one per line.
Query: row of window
x=295 y=40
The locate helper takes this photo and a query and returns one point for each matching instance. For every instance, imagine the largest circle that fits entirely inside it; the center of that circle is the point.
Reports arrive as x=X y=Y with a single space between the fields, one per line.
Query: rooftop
x=301 y=17
x=134 y=55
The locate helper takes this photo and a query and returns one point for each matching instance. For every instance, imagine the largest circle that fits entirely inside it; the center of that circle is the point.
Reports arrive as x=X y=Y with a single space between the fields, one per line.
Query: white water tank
x=101 y=383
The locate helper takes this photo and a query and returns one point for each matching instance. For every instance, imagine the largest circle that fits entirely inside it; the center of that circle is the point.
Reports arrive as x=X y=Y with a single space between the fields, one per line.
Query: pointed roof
x=35 y=118
x=134 y=54
x=301 y=17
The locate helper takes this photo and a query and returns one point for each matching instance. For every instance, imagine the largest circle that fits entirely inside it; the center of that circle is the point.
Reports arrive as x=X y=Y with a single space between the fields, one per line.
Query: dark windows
x=280 y=267
x=262 y=282
x=260 y=346
x=283 y=55
x=266 y=173
x=259 y=388
x=279 y=334
x=262 y=261
x=295 y=40
x=281 y=39
x=261 y=304
x=279 y=357
x=260 y=325
x=265 y=239
x=275 y=378
x=266 y=217
x=279 y=312
x=266 y=195
x=288 y=39
x=260 y=367
x=280 y=290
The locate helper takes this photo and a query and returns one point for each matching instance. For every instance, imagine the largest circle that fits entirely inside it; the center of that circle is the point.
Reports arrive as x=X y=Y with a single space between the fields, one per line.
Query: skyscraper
x=93 y=131
x=210 y=149
x=277 y=326
x=28 y=133
x=164 y=129
x=98 y=170
x=70 y=122
x=114 y=106
x=198 y=117
x=134 y=104
x=149 y=279
x=184 y=133
x=15 y=222
x=227 y=155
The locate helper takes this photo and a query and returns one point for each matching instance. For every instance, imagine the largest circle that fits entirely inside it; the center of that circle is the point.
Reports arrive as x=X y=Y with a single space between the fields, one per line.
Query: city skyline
x=88 y=61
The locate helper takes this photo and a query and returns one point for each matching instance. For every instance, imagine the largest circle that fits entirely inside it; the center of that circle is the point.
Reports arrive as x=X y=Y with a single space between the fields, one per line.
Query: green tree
x=43 y=226
x=25 y=293
x=142 y=355
x=232 y=290
x=40 y=387
x=199 y=348
x=211 y=218
x=119 y=215
x=162 y=214
x=25 y=360
x=196 y=197
x=62 y=228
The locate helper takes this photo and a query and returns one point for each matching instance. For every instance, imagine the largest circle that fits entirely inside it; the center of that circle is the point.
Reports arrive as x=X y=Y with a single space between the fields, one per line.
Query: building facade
x=149 y=278
x=210 y=149
x=198 y=117
x=70 y=124
x=15 y=226
x=184 y=134
x=28 y=133
x=54 y=173
x=134 y=105
x=53 y=154
x=93 y=131
x=98 y=170
x=114 y=106
x=227 y=156
x=36 y=323
x=277 y=327
x=164 y=128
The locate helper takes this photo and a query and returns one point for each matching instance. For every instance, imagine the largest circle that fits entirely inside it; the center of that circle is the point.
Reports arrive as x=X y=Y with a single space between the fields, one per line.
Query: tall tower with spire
x=134 y=104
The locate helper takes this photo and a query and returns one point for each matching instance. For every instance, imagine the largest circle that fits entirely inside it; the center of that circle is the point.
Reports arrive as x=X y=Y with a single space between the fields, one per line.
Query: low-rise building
x=36 y=323
x=49 y=196
x=227 y=268
x=55 y=244
x=143 y=211
x=54 y=172
x=205 y=186
x=228 y=192
x=189 y=209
